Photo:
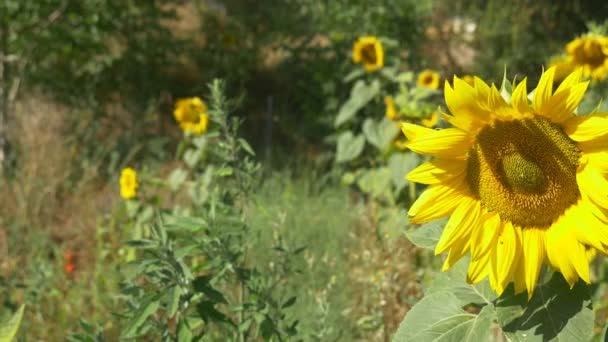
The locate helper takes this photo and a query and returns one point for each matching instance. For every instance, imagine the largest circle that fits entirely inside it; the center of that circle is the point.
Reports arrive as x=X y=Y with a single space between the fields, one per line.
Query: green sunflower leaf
x=360 y=96
x=426 y=235
x=555 y=313
x=454 y=282
x=349 y=147
x=440 y=317
x=381 y=133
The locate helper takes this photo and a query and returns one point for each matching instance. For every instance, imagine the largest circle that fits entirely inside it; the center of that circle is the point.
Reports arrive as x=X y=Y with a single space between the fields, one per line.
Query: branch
x=50 y=19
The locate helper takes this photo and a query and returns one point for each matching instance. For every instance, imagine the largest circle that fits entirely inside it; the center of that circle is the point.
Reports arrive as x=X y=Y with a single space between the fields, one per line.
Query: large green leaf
x=426 y=235
x=380 y=133
x=555 y=313
x=8 y=329
x=454 y=282
x=349 y=147
x=360 y=95
x=440 y=317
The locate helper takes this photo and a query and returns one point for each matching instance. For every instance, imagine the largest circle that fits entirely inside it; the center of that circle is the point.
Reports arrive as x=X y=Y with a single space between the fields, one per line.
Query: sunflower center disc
x=525 y=170
x=368 y=54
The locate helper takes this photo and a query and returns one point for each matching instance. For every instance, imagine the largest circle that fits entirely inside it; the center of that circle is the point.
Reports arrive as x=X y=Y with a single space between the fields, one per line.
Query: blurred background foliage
x=88 y=87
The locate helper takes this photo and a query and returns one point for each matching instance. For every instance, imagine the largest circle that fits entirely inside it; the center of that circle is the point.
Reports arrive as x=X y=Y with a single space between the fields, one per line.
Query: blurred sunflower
x=368 y=51
x=391 y=109
x=428 y=79
x=524 y=183
x=191 y=114
x=591 y=53
x=128 y=183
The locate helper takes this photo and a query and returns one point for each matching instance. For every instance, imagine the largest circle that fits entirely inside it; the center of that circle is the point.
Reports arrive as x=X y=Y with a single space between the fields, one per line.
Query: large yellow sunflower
x=591 y=53
x=524 y=183
x=368 y=51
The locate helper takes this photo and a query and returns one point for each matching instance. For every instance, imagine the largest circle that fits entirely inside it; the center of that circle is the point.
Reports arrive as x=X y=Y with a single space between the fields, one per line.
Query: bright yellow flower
x=368 y=51
x=391 y=109
x=591 y=53
x=191 y=114
x=428 y=79
x=128 y=183
x=524 y=183
x=430 y=121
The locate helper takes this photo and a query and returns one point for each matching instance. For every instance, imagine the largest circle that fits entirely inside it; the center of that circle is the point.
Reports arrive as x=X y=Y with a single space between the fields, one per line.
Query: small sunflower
x=128 y=183
x=591 y=53
x=524 y=184
x=391 y=109
x=430 y=121
x=368 y=51
x=428 y=79
x=191 y=114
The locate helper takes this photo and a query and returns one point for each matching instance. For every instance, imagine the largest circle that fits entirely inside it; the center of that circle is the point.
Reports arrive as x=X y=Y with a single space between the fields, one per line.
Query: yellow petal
x=570 y=81
x=484 y=235
x=590 y=230
x=463 y=101
x=564 y=252
x=505 y=256
x=456 y=253
x=533 y=240
x=413 y=132
x=544 y=90
x=437 y=201
x=461 y=223
x=519 y=277
x=588 y=127
x=449 y=143
x=593 y=185
x=437 y=171
x=519 y=98
x=478 y=269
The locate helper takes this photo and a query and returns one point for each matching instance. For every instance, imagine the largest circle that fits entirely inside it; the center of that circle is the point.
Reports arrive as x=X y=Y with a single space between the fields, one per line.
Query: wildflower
x=391 y=110
x=428 y=79
x=523 y=183
x=69 y=262
x=430 y=121
x=128 y=183
x=191 y=114
x=369 y=52
x=591 y=53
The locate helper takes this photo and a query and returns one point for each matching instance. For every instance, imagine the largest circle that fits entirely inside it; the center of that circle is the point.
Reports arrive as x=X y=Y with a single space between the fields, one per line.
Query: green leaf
x=555 y=313
x=381 y=133
x=177 y=178
x=349 y=147
x=8 y=329
x=192 y=157
x=440 y=317
x=400 y=165
x=360 y=95
x=224 y=171
x=202 y=284
x=148 y=308
x=206 y=309
x=245 y=145
x=454 y=282
x=184 y=334
x=376 y=182
x=173 y=296
x=426 y=235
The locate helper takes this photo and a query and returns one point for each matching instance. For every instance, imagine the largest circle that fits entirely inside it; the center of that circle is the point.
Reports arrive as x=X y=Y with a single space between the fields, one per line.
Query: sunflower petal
x=413 y=132
x=544 y=90
x=437 y=201
x=505 y=256
x=449 y=143
x=519 y=98
x=436 y=171
x=461 y=223
x=533 y=240
x=593 y=185
x=588 y=127
x=478 y=269
x=484 y=236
